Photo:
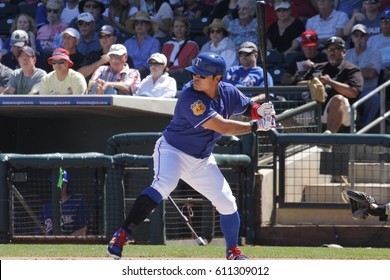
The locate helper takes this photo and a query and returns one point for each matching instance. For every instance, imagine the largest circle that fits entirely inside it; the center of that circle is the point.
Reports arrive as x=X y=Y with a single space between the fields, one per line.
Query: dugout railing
x=108 y=184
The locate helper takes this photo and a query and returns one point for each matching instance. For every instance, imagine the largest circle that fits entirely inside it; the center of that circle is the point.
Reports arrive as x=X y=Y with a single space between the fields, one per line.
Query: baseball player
x=201 y=116
x=74 y=213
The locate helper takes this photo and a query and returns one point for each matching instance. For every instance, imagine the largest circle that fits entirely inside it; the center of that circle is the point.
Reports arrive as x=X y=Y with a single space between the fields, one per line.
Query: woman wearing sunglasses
x=158 y=83
x=49 y=34
x=220 y=42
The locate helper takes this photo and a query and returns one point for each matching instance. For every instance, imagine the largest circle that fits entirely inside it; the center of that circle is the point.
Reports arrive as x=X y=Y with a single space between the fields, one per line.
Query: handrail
x=383 y=114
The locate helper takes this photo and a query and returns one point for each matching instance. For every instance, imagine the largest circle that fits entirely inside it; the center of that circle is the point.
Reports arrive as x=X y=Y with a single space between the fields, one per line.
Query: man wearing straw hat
x=220 y=42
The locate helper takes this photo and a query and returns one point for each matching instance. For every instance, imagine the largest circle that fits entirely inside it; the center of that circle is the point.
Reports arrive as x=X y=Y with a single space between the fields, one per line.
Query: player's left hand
x=267 y=108
x=266 y=123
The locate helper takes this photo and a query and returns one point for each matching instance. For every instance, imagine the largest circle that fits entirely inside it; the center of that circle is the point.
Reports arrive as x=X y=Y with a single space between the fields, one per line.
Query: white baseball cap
x=86 y=17
x=72 y=32
x=117 y=49
x=159 y=58
x=19 y=38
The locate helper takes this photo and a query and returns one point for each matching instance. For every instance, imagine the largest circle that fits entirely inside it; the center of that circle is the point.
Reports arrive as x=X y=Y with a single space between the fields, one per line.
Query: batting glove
x=266 y=108
x=264 y=124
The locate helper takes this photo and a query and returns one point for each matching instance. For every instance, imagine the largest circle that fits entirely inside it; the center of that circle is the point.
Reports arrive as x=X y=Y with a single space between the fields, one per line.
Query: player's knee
x=225 y=204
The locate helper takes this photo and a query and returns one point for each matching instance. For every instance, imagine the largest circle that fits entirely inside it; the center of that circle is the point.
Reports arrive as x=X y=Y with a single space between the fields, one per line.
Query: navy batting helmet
x=207 y=64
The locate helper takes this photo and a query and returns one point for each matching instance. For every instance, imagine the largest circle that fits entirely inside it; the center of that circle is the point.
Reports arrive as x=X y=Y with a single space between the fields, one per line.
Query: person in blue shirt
x=202 y=115
x=73 y=211
x=247 y=74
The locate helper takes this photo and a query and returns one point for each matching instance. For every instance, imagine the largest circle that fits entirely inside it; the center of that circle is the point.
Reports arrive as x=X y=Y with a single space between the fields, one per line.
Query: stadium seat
x=277 y=74
x=29 y=9
x=200 y=40
x=8 y=10
x=5 y=26
x=197 y=25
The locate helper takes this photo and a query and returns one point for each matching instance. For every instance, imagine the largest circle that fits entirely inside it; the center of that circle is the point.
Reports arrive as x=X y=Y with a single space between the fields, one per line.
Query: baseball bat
x=198 y=239
x=260 y=15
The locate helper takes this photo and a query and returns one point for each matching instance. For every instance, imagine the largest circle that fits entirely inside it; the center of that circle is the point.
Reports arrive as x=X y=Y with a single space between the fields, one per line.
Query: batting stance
x=202 y=114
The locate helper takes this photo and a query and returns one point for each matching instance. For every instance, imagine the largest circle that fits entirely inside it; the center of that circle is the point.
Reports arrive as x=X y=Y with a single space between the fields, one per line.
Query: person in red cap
x=63 y=80
x=302 y=62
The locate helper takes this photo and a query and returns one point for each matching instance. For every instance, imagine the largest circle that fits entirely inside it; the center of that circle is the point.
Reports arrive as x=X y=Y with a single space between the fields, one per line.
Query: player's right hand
x=266 y=123
x=267 y=108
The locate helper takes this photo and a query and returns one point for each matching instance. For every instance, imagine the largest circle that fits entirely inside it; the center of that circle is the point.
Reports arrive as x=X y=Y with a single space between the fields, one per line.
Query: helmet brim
x=199 y=71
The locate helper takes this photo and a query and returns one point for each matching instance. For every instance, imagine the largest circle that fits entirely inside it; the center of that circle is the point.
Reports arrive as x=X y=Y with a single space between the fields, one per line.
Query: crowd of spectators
x=83 y=32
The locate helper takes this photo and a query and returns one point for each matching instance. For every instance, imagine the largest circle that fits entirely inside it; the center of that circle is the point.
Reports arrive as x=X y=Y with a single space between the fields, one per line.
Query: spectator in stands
x=5 y=74
x=96 y=8
x=244 y=28
x=220 y=42
x=95 y=59
x=70 y=40
x=116 y=15
x=247 y=74
x=41 y=14
x=19 y=39
x=63 y=80
x=70 y=11
x=158 y=83
x=142 y=45
x=302 y=62
x=225 y=8
x=74 y=213
x=163 y=16
x=180 y=51
x=191 y=9
x=25 y=80
x=89 y=40
x=26 y=23
x=369 y=16
x=285 y=29
x=117 y=78
x=49 y=34
x=305 y=9
x=370 y=63
x=343 y=82
x=381 y=43
x=329 y=22
x=270 y=12
x=348 y=6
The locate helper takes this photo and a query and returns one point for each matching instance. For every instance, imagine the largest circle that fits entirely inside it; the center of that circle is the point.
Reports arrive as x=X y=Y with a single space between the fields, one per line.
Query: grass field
x=48 y=251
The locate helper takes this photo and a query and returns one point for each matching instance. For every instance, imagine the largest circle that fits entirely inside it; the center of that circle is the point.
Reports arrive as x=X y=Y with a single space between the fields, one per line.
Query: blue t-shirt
x=193 y=109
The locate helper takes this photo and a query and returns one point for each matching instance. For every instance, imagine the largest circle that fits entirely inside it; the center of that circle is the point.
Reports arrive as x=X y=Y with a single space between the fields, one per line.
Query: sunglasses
x=81 y=23
x=244 y=54
x=54 y=11
x=91 y=6
x=57 y=62
x=198 y=76
x=215 y=31
x=138 y=22
x=154 y=64
x=106 y=36
x=385 y=20
x=358 y=35
x=334 y=49
x=281 y=10
x=370 y=2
